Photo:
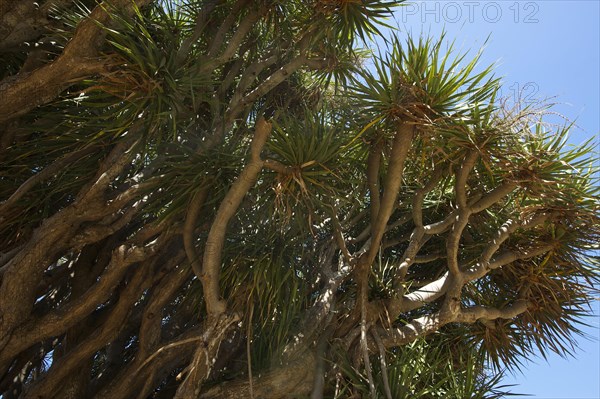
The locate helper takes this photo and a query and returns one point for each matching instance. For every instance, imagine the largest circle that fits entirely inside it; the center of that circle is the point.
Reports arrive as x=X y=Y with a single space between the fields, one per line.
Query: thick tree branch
x=115 y=321
x=506 y=257
x=24 y=21
x=392 y=183
x=74 y=311
x=493 y=197
x=189 y=229
x=460 y=185
x=442 y=225
x=277 y=167
x=109 y=225
x=419 y=197
x=373 y=165
x=205 y=356
x=485 y=263
x=392 y=337
x=428 y=258
x=122 y=386
x=23 y=272
x=482 y=313
x=281 y=382
x=426 y=294
x=229 y=205
x=232 y=16
x=27 y=91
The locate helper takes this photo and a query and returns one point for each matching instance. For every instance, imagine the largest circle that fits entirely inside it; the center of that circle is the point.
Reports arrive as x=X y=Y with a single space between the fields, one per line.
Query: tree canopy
x=238 y=198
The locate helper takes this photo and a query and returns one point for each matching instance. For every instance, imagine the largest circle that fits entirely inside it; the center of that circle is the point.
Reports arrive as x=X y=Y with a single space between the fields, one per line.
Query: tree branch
x=20 y=94
x=505 y=258
x=189 y=229
x=481 y=313
x=229 y=205
x=74 y=311
x=460 y=186
x=115 y=321
x=22 y=273
x=392 y=337
x=239 y=103
x=205 y=355
x=393 y=181
x=485 y=264
x=494 y=196
x=247 y=23
x=426 y=294
x=373 y=165
x=199 y=25
x=233 y=14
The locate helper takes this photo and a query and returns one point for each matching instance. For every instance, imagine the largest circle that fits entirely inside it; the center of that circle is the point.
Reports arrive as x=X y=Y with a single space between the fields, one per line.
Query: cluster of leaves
x=432 y=368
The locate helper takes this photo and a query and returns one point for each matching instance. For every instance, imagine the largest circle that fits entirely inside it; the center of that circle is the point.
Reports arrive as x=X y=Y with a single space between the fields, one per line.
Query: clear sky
x=544 y=49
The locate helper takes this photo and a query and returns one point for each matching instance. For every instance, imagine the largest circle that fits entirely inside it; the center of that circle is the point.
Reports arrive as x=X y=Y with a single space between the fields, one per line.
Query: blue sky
x=543 y=49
